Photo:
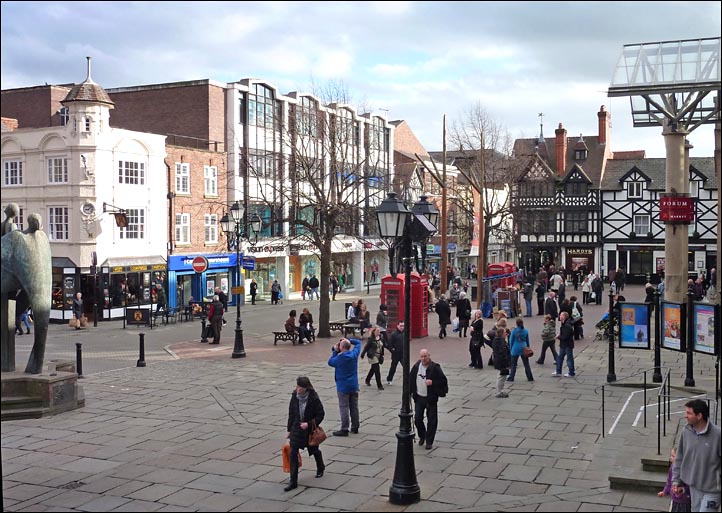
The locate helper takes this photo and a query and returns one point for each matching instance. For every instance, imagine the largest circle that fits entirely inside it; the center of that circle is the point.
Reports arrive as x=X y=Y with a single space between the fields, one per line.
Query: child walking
x=682 y=501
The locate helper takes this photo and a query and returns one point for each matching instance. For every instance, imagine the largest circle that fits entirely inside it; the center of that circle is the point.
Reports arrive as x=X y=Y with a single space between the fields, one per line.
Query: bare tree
x=330 y=179
x=485 y=150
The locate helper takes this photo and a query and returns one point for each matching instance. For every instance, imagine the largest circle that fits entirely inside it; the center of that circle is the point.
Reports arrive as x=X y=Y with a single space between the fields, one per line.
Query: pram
x=603 y=328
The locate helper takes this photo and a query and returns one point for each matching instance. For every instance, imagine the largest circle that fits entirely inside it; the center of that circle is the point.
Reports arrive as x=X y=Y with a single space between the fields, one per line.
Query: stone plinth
x=37 y=395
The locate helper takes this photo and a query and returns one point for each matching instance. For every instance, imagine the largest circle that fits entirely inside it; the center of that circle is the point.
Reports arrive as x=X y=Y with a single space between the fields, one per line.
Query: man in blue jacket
x=344 y=358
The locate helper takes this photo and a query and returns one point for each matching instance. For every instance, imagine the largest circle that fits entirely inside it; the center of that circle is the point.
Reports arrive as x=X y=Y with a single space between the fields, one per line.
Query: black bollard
x=657 y=376
x=141 y=360
x=689 y=379
x=79 y=359
x=204 y=339
x=611 y=375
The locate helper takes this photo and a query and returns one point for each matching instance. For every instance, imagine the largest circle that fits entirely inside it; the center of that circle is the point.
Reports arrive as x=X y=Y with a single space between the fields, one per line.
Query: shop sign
x=676 y=209
x=585 y=252
x=249 y=263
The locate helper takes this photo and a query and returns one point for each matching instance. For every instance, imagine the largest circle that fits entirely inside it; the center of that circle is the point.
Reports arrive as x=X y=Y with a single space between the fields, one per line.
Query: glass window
x=694 y=188
x=12 y=172
x=131 y=173
x=210 y=177
x=58 y=223
x=641 y=224
x=640 y=262
x=20 y=219
x=118 y=290
x=577 y=189
x=634 y=189
x=182 y=178
x=211 y=228
x=58 y=170
x=576 y=222
x=182 y=228
x=136 y=224
x=64 y=116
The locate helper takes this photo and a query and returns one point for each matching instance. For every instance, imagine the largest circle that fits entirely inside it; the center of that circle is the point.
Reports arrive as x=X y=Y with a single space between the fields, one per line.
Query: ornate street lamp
x=404 y=227
x=232 y=227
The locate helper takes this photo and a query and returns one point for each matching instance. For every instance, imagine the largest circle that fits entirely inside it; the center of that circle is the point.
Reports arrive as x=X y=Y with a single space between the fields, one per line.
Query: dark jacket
x=550 y=308
x=501 y=353
x=540 y=291
x=77 y=307
x=478 y=334
x=566 y=306
x=444 y=311
x=562 y=292
x=566 y=335
x=222 y=297
x=396 y=344
x=382 y=320
x=439 y=385
x=314 y=411
x=313 y=282
x=254 y=288
x=215 y=312
x=463 y=309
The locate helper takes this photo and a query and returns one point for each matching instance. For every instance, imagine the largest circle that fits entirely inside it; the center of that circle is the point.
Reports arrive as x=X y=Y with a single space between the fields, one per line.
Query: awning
x=62 y=262
x=131 y=261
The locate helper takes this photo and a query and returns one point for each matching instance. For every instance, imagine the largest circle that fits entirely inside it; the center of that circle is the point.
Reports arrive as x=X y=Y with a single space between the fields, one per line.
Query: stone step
x=655 y=464
x=20 y=402
x=22 y=413
x=637 y=479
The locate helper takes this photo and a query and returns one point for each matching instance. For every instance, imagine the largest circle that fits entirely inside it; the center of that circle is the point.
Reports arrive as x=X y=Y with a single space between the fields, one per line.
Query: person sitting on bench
x=290 y=325
x=305 y=327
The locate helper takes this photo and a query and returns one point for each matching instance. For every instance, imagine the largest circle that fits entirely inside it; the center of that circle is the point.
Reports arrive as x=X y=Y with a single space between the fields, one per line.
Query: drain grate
x=72 y=485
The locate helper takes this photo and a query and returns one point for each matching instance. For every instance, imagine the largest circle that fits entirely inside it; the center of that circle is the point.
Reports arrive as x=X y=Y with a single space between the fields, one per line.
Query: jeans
x=315 y=291
x=569 y=353
x=547 y=344
x=528 y=307
x=348 y=403
x=704 y=501
x=527 y=367
x=427 y=433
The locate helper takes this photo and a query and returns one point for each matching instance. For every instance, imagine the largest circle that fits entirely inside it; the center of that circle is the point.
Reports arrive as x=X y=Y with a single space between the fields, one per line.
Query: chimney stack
x=561 y=147
x=604 y=124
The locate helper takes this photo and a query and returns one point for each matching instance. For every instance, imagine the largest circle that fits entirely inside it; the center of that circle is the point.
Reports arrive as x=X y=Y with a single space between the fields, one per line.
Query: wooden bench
x=285 y=335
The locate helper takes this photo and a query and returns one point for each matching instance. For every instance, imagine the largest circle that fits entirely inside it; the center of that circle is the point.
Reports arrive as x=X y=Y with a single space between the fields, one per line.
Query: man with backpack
x=428 y=383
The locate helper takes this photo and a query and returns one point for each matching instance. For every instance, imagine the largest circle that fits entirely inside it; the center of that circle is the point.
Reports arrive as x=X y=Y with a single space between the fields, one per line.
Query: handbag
x=317 y=435
x=83 y=321
x=381 y=359
x=73 y=322
x=528 y=352
x=593 y=295
x=286 y=457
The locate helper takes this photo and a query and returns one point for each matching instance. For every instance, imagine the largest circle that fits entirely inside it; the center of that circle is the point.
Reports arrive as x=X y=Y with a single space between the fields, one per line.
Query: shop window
x=640 y=262
x=118 y=290
x=138 y=288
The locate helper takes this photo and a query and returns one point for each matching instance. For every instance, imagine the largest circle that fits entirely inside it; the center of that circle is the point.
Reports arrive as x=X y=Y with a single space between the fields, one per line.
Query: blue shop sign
x=248 y=263
x=185 y=262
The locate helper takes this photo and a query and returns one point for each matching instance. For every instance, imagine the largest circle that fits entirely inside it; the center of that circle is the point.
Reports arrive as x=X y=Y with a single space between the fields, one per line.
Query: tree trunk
x=324 y=310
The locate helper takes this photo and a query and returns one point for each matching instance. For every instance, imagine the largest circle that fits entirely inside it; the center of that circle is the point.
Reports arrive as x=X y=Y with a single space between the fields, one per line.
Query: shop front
x=192 y=286
x=128 y=282
x=66 y=280
x=373 y=262
x=579 y=259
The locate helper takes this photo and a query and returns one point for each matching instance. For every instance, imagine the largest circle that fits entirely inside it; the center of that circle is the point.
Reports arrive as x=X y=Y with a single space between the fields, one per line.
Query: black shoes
x=421 y=440
x=341 y=432
x=291 y=486
x=354 y=430
x=429 y=447
x=319 y=472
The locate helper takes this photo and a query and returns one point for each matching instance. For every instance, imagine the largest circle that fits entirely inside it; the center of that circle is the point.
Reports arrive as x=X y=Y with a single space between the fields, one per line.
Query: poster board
x=674 y=326
x=706 y=328
x=504 y=302
x=634 y=326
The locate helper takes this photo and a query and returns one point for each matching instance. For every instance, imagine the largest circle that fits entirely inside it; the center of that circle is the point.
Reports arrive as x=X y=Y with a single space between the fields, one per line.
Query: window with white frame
x=12 y=172
x=20 y=220
x=641 y=224
x=634 y=189
x=58 y=223
x=211 y=227
x=136 y=224
x=182 y=228
x=694 y=188
x=210 y=178
x=58 y=170
x=132 y=173
x=182 y=178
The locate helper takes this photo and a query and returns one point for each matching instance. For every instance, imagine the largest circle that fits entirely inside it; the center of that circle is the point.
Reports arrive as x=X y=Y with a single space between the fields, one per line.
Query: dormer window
x=634 y=189
x=577 y=189
x=580 y=154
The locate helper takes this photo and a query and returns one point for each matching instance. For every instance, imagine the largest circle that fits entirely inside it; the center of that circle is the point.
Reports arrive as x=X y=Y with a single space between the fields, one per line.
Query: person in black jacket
x=304 y=409
x=501 y=360
x=550 y=306
x=428 y=383
x=476 y=341
x=463 y=312
x=396 y=348
x=443 y=310
x=566 y=346
x=540 y=291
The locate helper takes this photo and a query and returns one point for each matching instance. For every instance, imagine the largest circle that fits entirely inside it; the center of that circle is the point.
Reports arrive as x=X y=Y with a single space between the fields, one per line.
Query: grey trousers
x=348 y=403
x=500 y=383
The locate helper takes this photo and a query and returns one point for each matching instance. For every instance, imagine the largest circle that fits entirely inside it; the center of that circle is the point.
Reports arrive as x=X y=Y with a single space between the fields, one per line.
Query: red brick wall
x=197 y=204
x=196 y=111
x=33 y=107
x=405 y=140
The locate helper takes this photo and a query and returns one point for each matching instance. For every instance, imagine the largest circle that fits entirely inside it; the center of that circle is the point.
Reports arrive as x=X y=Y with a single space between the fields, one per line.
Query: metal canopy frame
x=670 y=80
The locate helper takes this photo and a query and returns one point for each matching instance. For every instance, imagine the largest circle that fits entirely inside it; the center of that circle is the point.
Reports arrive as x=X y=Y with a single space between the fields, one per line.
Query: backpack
x=575 y=313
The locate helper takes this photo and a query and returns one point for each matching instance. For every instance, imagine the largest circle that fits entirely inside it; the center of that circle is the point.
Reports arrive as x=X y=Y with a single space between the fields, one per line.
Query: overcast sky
x=411 y=60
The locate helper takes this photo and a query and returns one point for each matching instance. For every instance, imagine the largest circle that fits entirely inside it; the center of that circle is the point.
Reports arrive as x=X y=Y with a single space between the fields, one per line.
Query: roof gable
x=634 y=175
x=576 y=174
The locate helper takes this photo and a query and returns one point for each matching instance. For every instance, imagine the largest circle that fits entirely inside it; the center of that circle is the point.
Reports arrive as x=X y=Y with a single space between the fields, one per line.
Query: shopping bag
x=83 y=321
x=280 y=294
x=286 y=456
x=455 y=325
x=73 y=323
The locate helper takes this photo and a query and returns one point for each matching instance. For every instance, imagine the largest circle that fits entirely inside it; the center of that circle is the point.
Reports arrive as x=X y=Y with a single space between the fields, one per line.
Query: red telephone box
x=392 y=295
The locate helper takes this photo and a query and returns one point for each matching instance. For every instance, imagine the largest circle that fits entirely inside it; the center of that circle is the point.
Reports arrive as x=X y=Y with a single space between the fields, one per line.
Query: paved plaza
x=195 y=430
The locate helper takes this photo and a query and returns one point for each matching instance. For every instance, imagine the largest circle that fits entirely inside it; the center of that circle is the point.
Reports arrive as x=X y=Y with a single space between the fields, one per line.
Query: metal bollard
x=79 y=359
x=141 y=360
x=204 y=339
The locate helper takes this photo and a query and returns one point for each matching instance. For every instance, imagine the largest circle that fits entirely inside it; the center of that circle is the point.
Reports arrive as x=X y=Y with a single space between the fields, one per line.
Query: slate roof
x=88 y=91
x=592 y=165
x=655 y=169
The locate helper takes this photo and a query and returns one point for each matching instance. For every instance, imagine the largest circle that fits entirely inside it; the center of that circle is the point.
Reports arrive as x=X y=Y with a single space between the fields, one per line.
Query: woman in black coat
x=463 y=312
x=305 y=406
x=444 y=312
x=476 y=341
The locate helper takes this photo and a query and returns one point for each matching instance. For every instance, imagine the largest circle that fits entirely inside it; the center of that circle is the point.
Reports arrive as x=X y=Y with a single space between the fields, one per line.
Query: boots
x=320 y=467
x=292 y=485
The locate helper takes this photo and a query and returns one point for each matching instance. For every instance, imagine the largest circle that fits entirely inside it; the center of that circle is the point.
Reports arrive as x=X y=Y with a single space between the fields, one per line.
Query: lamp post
x=611 y=375
x=404 y=227
x=232 y=228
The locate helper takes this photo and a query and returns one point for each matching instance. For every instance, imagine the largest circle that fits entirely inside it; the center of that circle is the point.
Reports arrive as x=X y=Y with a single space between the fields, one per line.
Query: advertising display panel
x=634 y=332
